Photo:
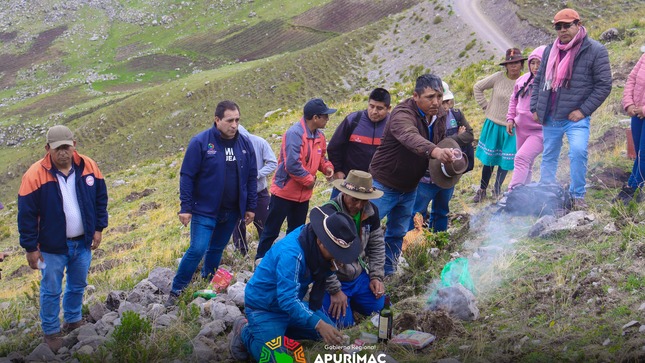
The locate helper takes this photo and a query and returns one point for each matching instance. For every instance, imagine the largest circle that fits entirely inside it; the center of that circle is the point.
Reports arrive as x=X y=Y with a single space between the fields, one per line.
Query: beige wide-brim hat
x=446 y=176
x=358 y=184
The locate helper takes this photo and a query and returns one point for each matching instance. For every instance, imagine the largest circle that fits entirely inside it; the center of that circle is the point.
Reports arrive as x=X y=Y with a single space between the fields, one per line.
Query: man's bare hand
x=329 y=174
x=329 y=334
x=185 y=218
x=248 y=217
x=576 y=116
x=442 y=154
x=96 y=240
x=377 y=287
x=535 y=117
x=339 y=175
x=338 y=305
x=312 y=185
x=32 y=259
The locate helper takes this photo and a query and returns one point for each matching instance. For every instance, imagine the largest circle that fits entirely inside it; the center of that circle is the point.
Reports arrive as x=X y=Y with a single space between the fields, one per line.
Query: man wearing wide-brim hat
x=357 y=286
x=273 y=298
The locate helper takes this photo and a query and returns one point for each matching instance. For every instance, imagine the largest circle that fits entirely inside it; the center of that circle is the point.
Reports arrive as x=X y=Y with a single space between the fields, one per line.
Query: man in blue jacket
x=574 y=79
x=62 y=211
x=217 y=186
x=273 y=297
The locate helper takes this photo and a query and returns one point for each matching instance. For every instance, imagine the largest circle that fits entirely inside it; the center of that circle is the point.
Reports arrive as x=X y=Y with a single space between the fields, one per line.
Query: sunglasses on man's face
x=559 y=26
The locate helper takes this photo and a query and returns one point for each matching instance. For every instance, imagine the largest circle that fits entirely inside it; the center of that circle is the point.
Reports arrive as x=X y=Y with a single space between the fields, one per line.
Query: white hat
x=447 y=95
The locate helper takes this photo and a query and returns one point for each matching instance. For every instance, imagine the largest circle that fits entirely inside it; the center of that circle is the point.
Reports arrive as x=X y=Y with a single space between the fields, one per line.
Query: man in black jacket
x=356 y=138
x=573 y=81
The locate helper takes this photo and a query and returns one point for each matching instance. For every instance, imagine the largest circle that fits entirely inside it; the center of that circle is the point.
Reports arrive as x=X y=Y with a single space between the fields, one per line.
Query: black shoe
x=172 y=300
x=625 y=195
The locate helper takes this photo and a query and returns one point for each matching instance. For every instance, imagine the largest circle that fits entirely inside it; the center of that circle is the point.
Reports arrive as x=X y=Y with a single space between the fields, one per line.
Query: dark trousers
x=487 y=172
x=279 y=209
x=261 y=214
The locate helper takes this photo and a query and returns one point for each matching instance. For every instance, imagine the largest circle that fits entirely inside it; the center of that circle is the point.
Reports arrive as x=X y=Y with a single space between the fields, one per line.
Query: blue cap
x=316 y=106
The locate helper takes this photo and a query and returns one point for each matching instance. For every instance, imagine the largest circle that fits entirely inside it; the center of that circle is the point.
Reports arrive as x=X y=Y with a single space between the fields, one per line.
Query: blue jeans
x=440 y=198
x=397 y=206
x=638 y=134
x=208 y=238
x=578 y=137
x=265 y=326
x=359 y=298
x=75 y=265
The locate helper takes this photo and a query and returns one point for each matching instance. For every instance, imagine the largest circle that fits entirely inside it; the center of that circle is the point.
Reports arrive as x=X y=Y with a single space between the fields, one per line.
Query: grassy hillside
x=146 y=102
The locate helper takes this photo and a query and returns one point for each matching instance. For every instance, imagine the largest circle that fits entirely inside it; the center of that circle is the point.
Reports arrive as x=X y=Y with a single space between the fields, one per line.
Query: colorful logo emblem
x=282 y=350
x=211 y=149
x=89 y=180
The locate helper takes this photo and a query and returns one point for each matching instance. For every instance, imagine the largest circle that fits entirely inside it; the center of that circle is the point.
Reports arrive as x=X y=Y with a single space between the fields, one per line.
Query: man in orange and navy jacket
x=62 y=211
x=302 y=154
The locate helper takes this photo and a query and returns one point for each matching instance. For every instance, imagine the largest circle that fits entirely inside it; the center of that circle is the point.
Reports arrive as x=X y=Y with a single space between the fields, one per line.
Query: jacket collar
x=47 y=161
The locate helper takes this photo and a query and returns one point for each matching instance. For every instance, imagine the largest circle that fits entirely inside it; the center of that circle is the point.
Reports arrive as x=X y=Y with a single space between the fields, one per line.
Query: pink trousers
x=529 y=145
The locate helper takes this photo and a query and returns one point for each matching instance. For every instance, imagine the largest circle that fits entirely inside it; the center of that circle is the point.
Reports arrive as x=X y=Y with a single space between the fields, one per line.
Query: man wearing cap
x=574 y=79
x=217 y=187
x=356 y=138
x=302 y=154
x=273 y=297
x=62 y=211
x=409 y=141
x=436 y=188
x=357 y=286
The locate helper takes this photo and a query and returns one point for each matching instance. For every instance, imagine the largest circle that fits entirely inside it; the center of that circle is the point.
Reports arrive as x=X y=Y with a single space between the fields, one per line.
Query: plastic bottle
x=206 y=294
x=385 y=322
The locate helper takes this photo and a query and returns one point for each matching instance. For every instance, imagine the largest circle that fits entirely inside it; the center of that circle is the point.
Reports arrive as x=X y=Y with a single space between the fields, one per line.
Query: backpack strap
x=355 y=121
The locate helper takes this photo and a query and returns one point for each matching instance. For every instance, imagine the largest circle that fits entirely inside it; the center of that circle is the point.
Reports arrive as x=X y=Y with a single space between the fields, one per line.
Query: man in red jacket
x=302 y=155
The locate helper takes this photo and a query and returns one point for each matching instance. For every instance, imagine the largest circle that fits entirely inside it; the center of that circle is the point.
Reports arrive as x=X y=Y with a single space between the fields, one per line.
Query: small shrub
x=437 y=20
x=129 y=340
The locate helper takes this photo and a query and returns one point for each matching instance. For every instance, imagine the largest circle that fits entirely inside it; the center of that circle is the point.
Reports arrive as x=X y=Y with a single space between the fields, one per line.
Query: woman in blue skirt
x=496 y=147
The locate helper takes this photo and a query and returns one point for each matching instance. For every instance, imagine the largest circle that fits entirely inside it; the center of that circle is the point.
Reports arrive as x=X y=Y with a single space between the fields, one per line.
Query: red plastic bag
x=221 y=280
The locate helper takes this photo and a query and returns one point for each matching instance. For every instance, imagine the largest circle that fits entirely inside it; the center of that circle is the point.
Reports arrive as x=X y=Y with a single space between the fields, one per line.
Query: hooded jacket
x=634 y=93
x=519 y=107
x=402 y=158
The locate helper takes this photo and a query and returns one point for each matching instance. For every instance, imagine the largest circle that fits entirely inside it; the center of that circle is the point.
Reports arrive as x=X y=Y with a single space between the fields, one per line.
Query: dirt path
x=487 y=30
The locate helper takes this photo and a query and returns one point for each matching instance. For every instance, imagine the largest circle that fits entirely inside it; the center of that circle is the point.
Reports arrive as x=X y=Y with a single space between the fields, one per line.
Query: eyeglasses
x=559 y=26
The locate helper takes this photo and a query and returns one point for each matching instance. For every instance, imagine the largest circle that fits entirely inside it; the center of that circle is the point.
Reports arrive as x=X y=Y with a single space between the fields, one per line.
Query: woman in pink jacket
x=530 y=141
x=634 y=105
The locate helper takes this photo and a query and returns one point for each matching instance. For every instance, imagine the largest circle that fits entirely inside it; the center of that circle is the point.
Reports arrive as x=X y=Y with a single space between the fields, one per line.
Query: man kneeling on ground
x=273 y=297
x=357 y=286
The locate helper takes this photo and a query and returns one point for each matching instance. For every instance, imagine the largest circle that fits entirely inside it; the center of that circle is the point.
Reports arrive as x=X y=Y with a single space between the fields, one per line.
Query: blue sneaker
x=235 y=344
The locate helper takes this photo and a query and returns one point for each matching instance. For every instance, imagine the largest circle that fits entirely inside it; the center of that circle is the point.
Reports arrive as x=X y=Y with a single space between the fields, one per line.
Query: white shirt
x=73 y=219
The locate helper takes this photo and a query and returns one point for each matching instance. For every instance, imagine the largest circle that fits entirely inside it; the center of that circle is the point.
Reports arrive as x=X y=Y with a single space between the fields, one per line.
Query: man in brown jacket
x=416 y=125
